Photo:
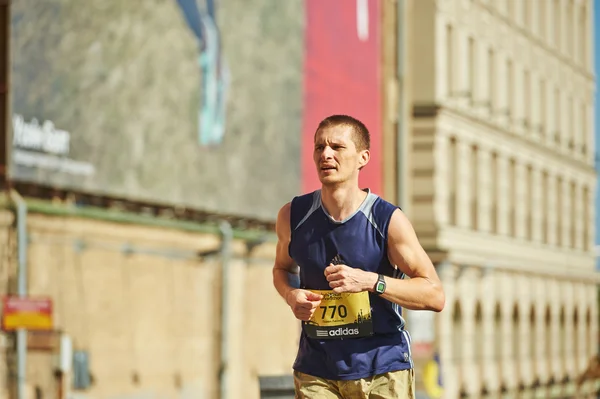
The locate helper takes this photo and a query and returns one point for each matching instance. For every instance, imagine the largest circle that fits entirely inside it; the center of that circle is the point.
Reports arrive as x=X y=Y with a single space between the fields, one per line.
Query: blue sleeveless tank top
x=360 y=241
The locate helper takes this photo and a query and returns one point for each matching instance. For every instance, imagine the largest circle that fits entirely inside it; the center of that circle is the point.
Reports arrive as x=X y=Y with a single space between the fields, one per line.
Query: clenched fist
x=303 y=303
x=344 y=278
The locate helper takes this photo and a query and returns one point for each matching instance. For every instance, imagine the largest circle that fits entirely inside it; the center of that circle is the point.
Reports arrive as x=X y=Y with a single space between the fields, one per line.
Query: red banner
x=27 y=313
x=342 y=75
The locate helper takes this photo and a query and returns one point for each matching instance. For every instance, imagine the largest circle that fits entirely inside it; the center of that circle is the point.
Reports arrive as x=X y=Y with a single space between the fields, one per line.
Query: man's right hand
x=303 y=303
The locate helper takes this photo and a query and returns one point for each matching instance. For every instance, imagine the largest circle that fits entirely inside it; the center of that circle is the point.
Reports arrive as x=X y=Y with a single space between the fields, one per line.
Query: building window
x=510 y=83
x=529 y=203
x=475 y=171
x=562 y=333
x=556 y=14
x=589 y=339
x=543 y=105
x=582 y=42
x=479 y=338
x=527 y=14
x=543 y=15
x=586 y=218
x=559 y=212
x=512 y=198
x=494 y=192
x=457 y=334
x=491 y=80
x=545 y=227
x=548 y=339
x=527 y=99
x=570 y=133
x=576 y=344
x=571 y=46
x=557 y=112
x=499 y=338
x=584 y=129
x=453 y=176
x=472 y=72
x=573 y=215
x=532 y=335
x=450 y=60
x=516 y=344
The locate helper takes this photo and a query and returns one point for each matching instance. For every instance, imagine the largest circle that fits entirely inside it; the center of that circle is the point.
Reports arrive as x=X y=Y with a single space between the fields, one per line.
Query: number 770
x=341 y=311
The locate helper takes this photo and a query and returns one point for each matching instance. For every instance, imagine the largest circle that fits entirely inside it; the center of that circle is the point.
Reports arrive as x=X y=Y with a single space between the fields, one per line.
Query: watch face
x=380 y=287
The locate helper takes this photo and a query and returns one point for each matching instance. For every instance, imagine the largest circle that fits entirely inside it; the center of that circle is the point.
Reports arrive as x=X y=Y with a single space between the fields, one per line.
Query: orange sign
x=27 y=313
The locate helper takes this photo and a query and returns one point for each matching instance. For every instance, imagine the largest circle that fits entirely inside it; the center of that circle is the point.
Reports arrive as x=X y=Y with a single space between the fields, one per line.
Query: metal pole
x=21 y=290
x=227 y=237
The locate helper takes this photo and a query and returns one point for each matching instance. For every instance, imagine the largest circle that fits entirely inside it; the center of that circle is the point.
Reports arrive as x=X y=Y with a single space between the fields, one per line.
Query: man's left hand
x=344 y=278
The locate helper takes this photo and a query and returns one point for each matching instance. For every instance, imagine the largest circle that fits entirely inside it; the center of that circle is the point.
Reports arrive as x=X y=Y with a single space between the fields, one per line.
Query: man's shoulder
x=310 y=195
x=298 y=199
x=384 y=207
x=305 y=200
x=381 y=213
x=302 y=206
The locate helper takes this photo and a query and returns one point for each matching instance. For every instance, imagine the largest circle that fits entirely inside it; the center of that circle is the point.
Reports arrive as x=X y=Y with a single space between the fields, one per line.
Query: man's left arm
x=423 y=291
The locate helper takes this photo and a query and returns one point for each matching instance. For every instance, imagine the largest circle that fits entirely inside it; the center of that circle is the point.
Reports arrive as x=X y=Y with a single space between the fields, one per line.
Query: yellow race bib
x=346 y=315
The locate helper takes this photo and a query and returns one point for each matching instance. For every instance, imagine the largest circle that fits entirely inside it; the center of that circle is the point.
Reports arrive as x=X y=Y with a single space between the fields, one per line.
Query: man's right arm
x=285 y=272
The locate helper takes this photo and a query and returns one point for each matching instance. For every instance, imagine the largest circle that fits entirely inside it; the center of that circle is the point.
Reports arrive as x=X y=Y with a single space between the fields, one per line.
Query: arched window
x=589 y=337
x=562 y=334
x=479 y=337
x=498 y=333
x=457 y=340
x=453 y=176
x=532 y=335
x=548 y=339
x=576 y=343
x=516 y=338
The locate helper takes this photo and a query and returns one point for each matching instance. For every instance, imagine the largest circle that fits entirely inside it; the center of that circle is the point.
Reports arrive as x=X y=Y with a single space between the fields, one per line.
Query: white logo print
x=343 y=331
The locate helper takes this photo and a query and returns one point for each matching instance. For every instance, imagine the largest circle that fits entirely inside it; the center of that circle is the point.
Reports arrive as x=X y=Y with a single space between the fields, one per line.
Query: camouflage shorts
x=394 y=385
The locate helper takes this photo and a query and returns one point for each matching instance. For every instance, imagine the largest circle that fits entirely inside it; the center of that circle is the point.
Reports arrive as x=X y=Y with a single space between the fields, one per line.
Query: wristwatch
x=380 y=285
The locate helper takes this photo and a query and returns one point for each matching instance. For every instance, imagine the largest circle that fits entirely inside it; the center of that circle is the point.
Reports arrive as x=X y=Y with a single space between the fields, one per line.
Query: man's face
x=336 y=157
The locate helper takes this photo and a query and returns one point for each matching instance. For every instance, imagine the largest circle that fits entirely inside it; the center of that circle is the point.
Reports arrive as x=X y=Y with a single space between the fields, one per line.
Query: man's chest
x=355 y=246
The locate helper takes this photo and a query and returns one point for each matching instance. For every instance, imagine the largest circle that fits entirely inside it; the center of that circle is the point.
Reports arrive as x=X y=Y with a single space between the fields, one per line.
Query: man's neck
x=342 y=201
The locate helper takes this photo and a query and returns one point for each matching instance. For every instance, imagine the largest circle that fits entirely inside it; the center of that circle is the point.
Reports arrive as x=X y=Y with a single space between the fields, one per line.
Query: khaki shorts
x=394 y=385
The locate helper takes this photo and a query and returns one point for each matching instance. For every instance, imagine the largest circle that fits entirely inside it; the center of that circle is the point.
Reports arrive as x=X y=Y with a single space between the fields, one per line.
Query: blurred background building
x=504 y=185
x=149 y=145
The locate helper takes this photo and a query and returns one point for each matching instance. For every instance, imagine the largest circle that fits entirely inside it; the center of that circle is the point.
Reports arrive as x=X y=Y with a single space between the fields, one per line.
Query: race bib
x=346 y=315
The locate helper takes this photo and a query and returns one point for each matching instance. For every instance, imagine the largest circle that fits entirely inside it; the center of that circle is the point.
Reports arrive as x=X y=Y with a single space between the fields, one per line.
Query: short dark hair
x=361 y=136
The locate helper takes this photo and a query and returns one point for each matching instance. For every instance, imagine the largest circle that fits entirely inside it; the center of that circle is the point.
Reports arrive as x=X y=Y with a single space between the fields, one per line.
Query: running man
x=342 y=253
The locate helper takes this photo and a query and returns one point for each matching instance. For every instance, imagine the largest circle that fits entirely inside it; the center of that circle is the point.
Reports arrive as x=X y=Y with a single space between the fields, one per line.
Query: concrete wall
x=151 y=321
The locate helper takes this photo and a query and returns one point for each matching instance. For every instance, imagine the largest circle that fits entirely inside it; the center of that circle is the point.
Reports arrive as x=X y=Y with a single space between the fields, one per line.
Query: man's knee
x=311 y=387
x=394 y=385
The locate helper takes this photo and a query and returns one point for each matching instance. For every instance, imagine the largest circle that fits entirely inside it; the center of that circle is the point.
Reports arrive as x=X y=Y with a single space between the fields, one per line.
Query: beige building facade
x=503 y=189
x=157 y=308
